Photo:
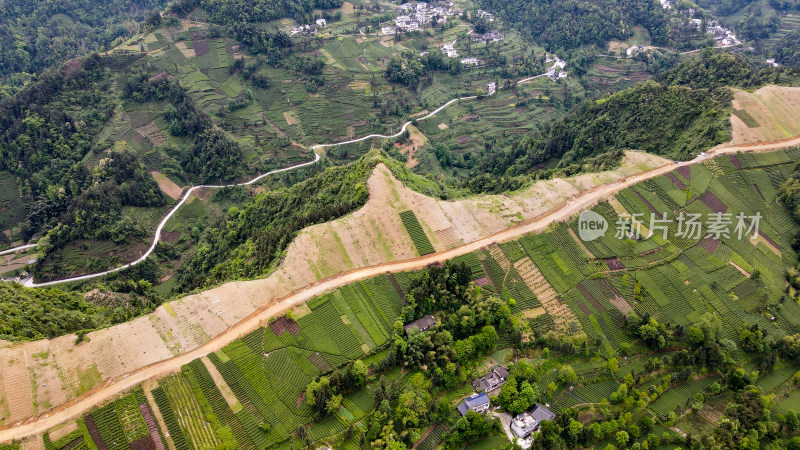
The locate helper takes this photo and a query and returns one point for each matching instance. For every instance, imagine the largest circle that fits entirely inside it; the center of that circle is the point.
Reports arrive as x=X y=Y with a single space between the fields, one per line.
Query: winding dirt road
x=115 y=386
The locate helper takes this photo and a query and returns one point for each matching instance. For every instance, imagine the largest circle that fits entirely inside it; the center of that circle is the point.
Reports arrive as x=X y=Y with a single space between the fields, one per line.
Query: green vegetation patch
x=416 y=232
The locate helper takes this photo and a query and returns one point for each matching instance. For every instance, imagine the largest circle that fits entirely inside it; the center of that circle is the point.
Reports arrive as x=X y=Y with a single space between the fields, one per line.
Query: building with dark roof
x=492 y=380
x=423 y=323
x=528 y=422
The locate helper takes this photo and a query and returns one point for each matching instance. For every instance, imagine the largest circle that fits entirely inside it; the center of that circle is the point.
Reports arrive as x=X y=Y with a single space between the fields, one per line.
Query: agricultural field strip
x=118 y=385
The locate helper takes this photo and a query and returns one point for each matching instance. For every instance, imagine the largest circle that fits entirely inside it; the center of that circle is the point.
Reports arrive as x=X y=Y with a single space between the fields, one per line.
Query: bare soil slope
x=768 y=114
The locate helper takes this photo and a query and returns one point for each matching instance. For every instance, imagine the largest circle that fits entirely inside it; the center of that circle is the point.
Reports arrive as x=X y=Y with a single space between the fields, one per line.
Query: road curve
x=157 y=236
x=574 y=205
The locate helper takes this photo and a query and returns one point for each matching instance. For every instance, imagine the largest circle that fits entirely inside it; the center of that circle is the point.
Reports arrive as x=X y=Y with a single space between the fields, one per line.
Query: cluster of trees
x=277 y=49
x=407 y=67
x=249 y=240
x=96 y=212
x=30 y=314
x=47 y=130
x=753 y=24
x=243 y=11
x=325 y=394
x=468 y=329
x=787 y=50
x=784 y=5
x=401 y=413
x=37 y=35
x=209 y=154
x=572 y=24
x=470 y=428
x=715 y=69
x=521 y=390
x=672 y=121
x=724 y=7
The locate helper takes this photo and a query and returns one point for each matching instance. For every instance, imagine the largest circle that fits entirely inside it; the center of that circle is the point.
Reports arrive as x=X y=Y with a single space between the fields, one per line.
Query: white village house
x=526 y=423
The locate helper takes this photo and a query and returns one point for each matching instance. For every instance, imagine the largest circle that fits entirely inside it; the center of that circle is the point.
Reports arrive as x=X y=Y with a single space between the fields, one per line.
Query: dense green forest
x=36 y=35
x=681 y=113
x=673 y=121
x=242 y=11
x=787 y=51
x=48 y=129
x=256 y=235
x=30 y=314
x=571 y=24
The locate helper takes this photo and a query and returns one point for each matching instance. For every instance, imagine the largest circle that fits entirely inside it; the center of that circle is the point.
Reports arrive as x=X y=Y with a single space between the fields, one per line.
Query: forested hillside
x=30 y=314
x=571 y=24
x=681 y=114
x=256 y=235
x=35 y=35
x=240 y=11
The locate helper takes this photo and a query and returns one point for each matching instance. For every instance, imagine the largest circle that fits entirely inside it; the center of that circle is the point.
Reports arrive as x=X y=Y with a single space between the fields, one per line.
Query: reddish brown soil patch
x=464 y=139
x=735 y=161
x=678 y=183
x=713 y=203
x=709 y=244
x=360 y=124
x=231 y=49
x=759 y=192
x=95 y=433
x=614 y=264
x=201 y=47
x=468 y=117
x=155 y=438
x=686 y=172
x=396 y=285
x=766 y=238
x=162 y=75
x=72 y=67
x=585 y=308
x=319 y=362
x=283 y=324
x=300 y=399
x=145 y=443
x=483 y=281
x=588 y=296
x=138 y=137
x=170 y=236
x=644 y=200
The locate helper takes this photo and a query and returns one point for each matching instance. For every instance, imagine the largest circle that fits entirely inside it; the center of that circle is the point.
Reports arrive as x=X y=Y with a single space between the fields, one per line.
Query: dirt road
x=115 y=386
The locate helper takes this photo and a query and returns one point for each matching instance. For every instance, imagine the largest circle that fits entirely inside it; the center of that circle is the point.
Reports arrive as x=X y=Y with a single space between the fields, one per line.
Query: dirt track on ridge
x=572 y=206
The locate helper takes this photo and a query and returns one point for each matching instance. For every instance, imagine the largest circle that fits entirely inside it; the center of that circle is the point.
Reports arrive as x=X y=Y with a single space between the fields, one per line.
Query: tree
x=612 y=365
x=622 y=438
x=566 y=374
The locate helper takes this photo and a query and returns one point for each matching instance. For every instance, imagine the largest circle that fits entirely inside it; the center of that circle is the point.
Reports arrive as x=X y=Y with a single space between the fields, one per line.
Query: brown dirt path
x=116 y=385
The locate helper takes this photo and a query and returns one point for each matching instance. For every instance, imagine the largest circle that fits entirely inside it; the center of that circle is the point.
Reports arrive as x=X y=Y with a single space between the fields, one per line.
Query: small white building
x=322 y=23
x=634 y=50
x=388 y=30
x=771 y=62
x=526 y=423
x=470 y=61
x=491 y=88
x=449 y=51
